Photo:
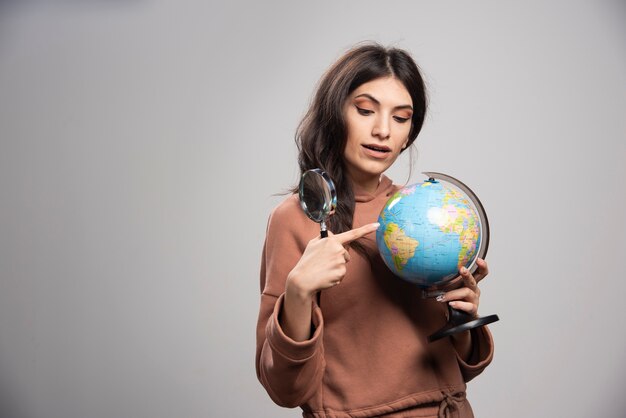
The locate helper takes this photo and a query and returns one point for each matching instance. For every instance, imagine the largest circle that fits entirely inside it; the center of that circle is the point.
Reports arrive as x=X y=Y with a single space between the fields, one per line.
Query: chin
x=374 y=171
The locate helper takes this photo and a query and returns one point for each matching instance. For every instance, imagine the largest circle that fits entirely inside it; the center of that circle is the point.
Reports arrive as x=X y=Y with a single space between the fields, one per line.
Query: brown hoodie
x=368 y=355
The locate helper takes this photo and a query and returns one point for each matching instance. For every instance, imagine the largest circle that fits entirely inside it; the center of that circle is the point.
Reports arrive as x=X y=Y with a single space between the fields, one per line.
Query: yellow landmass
x=401 y=246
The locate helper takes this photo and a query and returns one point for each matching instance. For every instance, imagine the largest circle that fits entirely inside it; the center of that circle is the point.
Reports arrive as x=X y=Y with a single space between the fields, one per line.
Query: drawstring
x=450 y=404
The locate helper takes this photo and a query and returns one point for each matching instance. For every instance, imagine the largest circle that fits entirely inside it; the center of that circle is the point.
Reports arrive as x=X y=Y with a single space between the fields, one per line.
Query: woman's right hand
x=323 y=263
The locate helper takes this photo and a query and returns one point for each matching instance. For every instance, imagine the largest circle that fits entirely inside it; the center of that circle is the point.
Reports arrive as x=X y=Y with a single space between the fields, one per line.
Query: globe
x=429 y=230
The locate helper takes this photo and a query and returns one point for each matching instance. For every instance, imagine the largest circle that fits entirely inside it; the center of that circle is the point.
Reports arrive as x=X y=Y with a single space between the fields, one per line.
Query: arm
x=322 y=265
x=289 y=370
x=289 y=349
x=481 y=355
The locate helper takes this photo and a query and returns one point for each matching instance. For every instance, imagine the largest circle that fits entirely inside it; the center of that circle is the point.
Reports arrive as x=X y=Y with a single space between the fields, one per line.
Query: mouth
x=377 y=148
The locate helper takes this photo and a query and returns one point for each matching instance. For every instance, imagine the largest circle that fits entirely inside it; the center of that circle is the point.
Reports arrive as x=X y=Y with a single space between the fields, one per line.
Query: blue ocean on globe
x=427 y=232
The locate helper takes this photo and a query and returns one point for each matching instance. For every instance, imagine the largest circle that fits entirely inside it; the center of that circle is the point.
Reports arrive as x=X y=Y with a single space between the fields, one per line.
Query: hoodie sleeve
x=290 y=371
x=482 y=354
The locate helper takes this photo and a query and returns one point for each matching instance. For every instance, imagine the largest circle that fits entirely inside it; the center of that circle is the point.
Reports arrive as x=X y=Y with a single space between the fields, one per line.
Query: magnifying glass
x=318 y=197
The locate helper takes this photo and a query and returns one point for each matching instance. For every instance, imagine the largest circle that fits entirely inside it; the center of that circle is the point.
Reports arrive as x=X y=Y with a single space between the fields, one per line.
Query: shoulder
x=287 y=212
x=290 y=206
x=288 y=219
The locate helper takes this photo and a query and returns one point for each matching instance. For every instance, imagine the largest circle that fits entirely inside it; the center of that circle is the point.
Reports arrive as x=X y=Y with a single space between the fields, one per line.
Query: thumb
x=354 y=234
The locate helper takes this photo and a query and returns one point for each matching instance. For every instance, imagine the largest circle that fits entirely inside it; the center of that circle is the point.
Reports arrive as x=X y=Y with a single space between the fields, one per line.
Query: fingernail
x=376 y=224
x=440 y=298
x=453 y=304
x=463 y=270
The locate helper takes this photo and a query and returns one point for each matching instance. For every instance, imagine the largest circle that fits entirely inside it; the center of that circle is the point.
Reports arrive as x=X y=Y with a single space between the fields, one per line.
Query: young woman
x=362 y=352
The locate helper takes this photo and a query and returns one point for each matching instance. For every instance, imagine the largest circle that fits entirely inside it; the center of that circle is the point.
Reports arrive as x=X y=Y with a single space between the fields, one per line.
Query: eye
x=364 y=112
x=400 y=119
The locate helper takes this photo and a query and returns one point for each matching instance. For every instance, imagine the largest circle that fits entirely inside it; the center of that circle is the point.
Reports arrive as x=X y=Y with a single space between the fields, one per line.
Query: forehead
x=387 y=90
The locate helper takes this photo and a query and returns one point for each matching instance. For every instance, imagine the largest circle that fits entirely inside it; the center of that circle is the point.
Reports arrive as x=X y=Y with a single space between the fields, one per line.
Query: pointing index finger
x=354 y=234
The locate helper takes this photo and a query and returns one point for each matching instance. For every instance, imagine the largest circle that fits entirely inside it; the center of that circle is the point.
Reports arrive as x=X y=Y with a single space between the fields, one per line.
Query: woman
x=362 y=351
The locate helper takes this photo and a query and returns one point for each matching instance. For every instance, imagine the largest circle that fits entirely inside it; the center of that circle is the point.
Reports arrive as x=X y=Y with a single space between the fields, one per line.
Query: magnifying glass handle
x=323 y=230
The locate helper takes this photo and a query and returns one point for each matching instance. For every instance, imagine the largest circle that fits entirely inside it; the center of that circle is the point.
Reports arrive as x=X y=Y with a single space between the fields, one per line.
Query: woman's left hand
x=467 y=298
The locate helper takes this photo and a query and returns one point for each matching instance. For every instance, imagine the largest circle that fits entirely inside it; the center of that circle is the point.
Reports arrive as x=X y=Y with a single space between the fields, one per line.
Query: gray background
x=142 y=143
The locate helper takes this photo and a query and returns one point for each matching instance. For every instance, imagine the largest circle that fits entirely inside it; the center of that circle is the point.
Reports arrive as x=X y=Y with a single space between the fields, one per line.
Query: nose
x=381 y=128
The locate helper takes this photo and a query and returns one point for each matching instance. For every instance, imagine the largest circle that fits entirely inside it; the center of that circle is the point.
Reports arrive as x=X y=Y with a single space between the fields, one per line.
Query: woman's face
x=378 y=119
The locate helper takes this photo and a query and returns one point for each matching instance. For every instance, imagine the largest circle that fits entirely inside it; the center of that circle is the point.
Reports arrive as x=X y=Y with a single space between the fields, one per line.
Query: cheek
x=352 y=131
x=351 y=137
x=348 y=147
x=405 y=136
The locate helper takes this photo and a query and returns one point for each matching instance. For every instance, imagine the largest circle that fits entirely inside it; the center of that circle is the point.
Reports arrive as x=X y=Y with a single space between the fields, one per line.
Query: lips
x=377 y=148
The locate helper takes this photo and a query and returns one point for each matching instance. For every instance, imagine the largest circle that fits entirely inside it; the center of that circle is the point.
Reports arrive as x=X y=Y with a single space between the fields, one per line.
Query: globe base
x=459 y=321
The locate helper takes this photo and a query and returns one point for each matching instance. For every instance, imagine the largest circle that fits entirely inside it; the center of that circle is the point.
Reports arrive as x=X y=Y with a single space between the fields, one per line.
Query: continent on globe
x=402 y=247
x=461 y=220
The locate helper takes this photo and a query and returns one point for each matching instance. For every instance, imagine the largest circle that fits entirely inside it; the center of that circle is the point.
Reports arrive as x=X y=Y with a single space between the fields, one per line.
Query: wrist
x=295 y=318
x=295 y=291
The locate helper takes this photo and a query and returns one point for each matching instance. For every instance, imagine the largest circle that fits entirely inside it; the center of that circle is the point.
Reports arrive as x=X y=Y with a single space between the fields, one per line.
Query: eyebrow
x=372 y=98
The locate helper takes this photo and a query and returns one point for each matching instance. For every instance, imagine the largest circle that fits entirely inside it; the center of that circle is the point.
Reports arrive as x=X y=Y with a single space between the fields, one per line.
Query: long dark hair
x=322 y=134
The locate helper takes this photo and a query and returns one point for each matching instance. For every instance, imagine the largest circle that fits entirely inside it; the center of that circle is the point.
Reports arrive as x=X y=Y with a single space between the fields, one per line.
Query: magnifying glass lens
x=318 y=197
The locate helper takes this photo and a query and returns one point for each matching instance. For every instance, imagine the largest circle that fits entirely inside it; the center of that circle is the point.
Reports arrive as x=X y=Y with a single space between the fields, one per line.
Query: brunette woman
x=362 y=352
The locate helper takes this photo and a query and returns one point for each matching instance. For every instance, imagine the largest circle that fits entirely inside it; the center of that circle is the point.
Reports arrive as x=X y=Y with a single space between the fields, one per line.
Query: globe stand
x=459 y=321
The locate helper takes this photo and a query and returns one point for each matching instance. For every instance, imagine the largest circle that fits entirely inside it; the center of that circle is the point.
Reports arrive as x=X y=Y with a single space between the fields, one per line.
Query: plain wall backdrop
x=142 y=143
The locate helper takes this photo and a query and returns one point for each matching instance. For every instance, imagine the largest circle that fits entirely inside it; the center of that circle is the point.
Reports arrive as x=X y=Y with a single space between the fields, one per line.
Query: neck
x=367 y=184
